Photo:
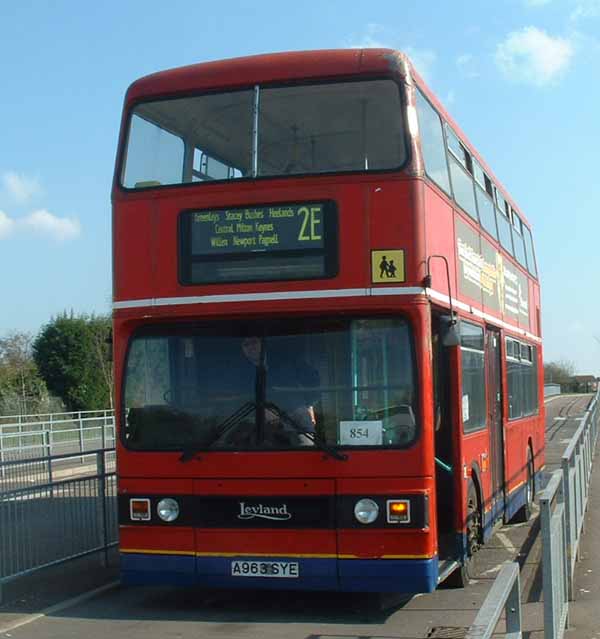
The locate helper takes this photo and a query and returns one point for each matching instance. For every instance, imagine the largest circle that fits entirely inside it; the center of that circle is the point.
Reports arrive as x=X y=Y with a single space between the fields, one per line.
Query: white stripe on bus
x=315 y=294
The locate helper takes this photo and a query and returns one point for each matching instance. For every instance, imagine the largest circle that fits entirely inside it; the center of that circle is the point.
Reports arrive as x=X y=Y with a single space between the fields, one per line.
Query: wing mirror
x=450 y=332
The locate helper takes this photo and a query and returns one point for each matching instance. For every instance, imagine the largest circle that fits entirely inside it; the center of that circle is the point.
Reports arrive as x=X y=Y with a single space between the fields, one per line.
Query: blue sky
x=522 y=78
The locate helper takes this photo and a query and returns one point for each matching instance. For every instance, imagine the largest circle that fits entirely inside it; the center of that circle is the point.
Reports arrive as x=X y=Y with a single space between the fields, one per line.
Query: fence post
x=48 y=451
x=549 y=599
x=104 y=420
x=80 y=421
x=512 y=609
x=569 y=505
x=1 y=462
x=101 y=471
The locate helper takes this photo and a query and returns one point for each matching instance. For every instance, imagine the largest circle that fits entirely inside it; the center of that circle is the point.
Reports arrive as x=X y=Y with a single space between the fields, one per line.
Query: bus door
x=444 y=437
x=494 y=402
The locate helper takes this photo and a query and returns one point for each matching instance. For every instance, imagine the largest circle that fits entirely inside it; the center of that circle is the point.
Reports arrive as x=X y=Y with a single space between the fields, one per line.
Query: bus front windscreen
x=281 y=385
x=263 y=132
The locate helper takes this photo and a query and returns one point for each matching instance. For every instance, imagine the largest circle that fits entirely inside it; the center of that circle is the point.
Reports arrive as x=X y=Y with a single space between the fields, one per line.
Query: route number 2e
x=310 y=229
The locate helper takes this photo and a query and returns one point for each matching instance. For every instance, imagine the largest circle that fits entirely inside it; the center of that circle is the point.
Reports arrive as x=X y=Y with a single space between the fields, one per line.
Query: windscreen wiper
x=226 y=425
x=243 y=411
x=311 y=435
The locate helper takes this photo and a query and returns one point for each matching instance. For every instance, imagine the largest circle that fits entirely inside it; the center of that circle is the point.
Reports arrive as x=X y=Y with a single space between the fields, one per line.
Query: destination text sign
x=289 y=227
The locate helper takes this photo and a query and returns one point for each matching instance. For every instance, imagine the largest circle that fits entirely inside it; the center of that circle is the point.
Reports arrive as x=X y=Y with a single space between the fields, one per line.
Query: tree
x=559 y=372
x=22 y=390
x=73 y=362
x=101 y=336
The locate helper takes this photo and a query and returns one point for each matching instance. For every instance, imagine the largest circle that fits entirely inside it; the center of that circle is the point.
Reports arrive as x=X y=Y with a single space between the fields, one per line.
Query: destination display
x=291 y=241
x=270 y=228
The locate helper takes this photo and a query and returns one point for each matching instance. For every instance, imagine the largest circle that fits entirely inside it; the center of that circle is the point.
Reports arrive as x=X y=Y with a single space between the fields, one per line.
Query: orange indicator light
x=398 y=511
x=398 y=507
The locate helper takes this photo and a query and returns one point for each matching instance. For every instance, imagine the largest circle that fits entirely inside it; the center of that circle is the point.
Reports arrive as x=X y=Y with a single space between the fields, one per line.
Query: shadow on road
x=239 y=606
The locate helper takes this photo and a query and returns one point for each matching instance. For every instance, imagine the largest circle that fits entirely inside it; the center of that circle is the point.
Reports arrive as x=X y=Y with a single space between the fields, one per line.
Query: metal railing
x=51 y=513
x=54 y=434
x=14 y=421
x=563 y=504
x=505 y=595
x=554 y=557
x=576 y=466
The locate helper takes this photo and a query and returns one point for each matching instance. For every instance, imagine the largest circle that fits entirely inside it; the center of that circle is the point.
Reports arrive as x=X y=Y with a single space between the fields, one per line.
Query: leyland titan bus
x=326 y=330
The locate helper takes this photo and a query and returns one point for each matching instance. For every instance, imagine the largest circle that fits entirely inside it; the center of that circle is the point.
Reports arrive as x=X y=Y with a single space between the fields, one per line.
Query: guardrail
x=56 y=433
x=52 y=511
x=7 y=421
x=563 y=504
x=554 y=557
x=550 y=390
x=505 y=595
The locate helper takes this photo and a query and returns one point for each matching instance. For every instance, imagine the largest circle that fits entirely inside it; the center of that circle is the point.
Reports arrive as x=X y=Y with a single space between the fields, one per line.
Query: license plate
x=285 y=569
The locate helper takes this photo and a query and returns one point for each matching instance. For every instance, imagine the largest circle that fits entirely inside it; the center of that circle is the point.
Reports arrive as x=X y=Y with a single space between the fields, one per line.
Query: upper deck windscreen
x=264 y=132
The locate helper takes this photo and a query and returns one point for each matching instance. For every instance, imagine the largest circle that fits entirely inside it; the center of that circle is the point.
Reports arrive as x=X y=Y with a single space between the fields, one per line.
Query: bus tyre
x=524 y=513
x=466 y=571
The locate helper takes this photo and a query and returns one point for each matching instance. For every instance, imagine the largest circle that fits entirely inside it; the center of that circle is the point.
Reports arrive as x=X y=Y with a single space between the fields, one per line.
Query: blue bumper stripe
x=361 y=575
x=140 y=569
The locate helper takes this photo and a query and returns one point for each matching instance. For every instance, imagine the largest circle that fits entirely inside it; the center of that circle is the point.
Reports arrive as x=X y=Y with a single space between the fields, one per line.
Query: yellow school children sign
x=387 y=266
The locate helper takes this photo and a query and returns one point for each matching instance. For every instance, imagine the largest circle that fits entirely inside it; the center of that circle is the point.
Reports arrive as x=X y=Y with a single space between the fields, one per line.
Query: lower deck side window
x=473 y=377
x=521 y=366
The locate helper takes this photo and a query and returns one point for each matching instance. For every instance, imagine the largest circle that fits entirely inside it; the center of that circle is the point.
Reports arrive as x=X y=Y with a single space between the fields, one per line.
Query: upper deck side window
x=461 y=173
x=531 y=265
x=432 y=143
x=504 y=225
x=518 y=240
x=265 y=132
x=484 y=191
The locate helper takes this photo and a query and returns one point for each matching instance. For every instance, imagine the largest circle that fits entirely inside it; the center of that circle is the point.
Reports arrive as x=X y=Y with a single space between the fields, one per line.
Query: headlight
x=167 y=509
x=366 y=511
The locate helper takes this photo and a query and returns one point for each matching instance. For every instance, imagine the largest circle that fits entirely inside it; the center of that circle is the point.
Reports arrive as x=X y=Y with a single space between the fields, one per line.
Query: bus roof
x=271 y=67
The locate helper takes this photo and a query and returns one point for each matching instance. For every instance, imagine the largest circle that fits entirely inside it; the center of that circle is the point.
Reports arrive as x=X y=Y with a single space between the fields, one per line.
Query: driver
x=290 y=387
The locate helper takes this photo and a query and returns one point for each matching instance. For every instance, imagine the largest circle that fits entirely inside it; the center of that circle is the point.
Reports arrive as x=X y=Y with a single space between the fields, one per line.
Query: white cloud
x=58 y=228
x=6 y=225
x=531 y=56
x=585 y=9
x=21 y=187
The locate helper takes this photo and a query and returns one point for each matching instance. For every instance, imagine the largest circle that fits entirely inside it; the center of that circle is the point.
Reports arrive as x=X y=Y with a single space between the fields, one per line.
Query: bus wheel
x=462 y=576
x=524 y=513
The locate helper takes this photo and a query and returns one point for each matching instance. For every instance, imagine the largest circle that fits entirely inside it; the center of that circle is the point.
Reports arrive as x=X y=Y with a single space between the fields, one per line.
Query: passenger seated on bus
x=159 y=426
x=290 y=386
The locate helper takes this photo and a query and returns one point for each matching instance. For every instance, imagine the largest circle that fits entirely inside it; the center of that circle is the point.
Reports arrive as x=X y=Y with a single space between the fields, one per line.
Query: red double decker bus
x=326 y=330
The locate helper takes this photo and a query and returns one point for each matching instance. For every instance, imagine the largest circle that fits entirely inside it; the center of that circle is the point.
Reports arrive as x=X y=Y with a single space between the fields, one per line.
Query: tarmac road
x=149 y=613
